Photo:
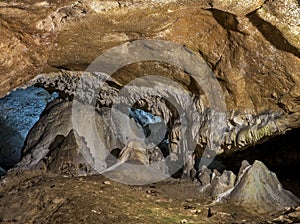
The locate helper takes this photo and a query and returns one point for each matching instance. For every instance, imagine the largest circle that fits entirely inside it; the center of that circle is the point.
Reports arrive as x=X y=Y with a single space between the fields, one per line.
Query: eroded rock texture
x=255 y=188
x=260 y=190
x=56 y=123
x=69 y=156
x=205 y=128
x=251 y=46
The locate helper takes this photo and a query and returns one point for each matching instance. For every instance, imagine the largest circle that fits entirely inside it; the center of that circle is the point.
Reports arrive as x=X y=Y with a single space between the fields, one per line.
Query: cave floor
x=35 y=197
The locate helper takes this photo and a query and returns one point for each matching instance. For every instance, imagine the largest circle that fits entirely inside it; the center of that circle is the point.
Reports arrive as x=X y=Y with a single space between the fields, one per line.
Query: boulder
x=223 y=183
x=58 y=119
x=260 y=190
x=134 y=152
x=204 y=176
x=69 y=156
x=255 y=188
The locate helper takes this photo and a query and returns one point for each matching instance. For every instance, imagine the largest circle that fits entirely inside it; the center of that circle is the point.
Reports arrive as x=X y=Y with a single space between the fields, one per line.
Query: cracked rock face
x=251 y=46
x=239 y=8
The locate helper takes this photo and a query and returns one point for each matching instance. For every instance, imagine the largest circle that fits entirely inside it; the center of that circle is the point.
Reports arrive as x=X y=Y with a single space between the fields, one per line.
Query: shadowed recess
x=272 y=34
x=19 y=111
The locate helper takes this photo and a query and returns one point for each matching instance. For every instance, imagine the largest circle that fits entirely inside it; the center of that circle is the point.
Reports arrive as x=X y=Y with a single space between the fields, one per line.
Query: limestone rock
x=239 y=8
x=244 y=166
x=260 y=190
x=223 y=183
x=70 y=156
x=285 y=16
x=256 y=188
x=204 y=176
x=97 y=133
x=134 y=152
x=215 y=183
x=235 y=130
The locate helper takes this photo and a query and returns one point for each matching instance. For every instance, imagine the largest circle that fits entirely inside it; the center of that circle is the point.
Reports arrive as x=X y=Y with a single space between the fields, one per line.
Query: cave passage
x=19 y=111
x=154 y=131
x=150 y=123
x=143 y=117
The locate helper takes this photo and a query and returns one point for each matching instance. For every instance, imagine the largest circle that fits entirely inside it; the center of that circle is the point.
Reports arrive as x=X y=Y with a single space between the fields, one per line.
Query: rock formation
x=214 y=183
x=227 y=78
x=134 y=152
x=247 y=47
x=19 y=111
x=259 y=189
x=255 y=188
x=228 y=132
x=69 y=156
x=98 y=136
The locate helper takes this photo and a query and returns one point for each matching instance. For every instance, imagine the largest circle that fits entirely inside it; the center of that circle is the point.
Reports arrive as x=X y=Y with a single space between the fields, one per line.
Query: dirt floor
x=33 y=197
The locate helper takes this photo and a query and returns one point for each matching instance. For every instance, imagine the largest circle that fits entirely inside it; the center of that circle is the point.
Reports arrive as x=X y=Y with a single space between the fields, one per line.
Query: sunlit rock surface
x=254 y=52
x=239 y=8
x=284 y=15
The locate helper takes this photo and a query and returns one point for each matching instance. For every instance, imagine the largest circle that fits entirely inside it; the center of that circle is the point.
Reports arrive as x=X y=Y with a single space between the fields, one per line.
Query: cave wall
x=254 y=56
x=249 y=50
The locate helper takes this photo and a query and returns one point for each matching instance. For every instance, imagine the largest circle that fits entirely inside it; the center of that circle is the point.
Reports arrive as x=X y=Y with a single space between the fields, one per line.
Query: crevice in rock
x=226 y=20
x=272 y=34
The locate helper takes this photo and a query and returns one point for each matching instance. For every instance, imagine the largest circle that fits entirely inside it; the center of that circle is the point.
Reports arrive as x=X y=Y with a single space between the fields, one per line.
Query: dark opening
x=19 y=111
x=281 y=155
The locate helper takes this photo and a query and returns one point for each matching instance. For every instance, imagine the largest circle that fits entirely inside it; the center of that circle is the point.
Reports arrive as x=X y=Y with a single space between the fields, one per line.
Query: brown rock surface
x=249 y=54
x=251 y=46
x=254 y=58
x=239 y=8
